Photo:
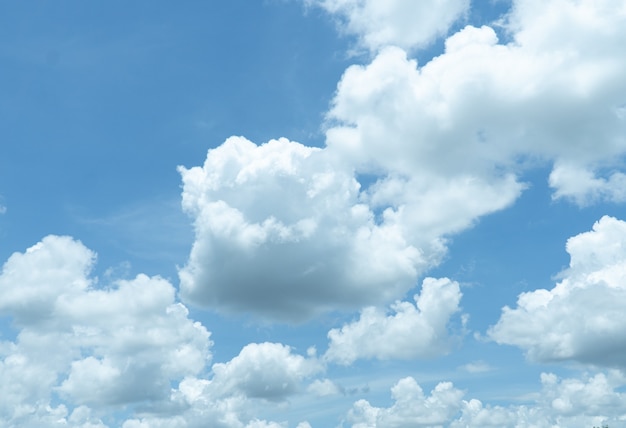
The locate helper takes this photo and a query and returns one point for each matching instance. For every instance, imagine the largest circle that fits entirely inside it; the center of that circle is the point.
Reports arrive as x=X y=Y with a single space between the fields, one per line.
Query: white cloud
x=550 y=95
x=55 y=266
x=592 y=400
x=411 y=407
x=280 y=230
x=324 y=387
x=582 y=317
x=127 y=348
x=476 y=367
x=442 y=145
x=238 y=390
x=584 y=187
x=264 y=370
x=405 y=23
x=413 y=330
x=86 y=344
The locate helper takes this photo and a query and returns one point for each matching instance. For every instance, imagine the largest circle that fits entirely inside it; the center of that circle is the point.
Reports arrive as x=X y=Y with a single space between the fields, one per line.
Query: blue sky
x=315 y=213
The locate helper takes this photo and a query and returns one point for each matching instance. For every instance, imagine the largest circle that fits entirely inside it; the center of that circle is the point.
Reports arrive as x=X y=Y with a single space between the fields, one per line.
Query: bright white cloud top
x=359 y=271
x=582 y=317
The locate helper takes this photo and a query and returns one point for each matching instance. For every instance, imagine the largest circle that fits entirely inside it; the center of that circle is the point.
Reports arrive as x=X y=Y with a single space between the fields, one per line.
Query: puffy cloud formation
x=561 y=402
x=261 y=373
x=581 y=185
x=404 y=23
x=85 y=350
x=284 y=230
x=95 y=346
x=413 y=155
x=582 y=318
x=267 y=370
x=411 y=407
x=418 y=330
x=480 y=107
x=281 y=230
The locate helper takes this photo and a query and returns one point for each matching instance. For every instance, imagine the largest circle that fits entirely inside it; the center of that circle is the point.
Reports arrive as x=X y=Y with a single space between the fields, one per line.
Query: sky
x=313 y=213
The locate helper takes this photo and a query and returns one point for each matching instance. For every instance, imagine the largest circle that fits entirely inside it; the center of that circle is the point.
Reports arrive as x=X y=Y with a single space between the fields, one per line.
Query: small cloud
x=326 y=387
x=476 y=367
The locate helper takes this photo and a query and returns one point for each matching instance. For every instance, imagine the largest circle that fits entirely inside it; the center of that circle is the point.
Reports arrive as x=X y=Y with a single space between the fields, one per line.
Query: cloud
x=126 y=349
x=418 y=330
x=280 y=231
x=324 y=387
x=411 y=407
x=264 y=370
x=476 y=367
x=87 y=344
x=404 y=23
x=237 y=391
x=582 y=317
x=592 y=400
x=413 y=155
x=480 y=107
x=583 y=187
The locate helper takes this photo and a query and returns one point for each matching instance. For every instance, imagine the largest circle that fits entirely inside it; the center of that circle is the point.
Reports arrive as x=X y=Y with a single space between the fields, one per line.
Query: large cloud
x=582 y=317
x=284 y=230
x=88 y=344
x=414 y=330
x=87 y=352
x=264 y=370
x=281 y=230
x=404 y=23
x=481 y=107
x=413 y=155
x=591 y=401
x=411 y=407
x=261 y=373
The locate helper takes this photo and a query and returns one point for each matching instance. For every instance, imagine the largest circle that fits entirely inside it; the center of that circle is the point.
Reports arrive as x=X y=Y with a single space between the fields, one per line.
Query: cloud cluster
x=281 y=231
x=582 y=317
x=85 y=350
x=237 y=390
x=593 y=400
x=414 y=330
x=413 y=155
x=480 y=107
x=404 y=23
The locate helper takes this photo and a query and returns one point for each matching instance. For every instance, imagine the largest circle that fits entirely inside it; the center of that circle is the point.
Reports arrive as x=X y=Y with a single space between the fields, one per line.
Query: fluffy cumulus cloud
x=592 y=400
x=582 y=318
x=267 y=370
x=411 y=407
x=405 y=23
x=475 y=111
x=309 y=237
x=281 y=230
x=414 y=153
x=237 y=390
x=84 y=351
x=413 y=330
x=91 y=345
